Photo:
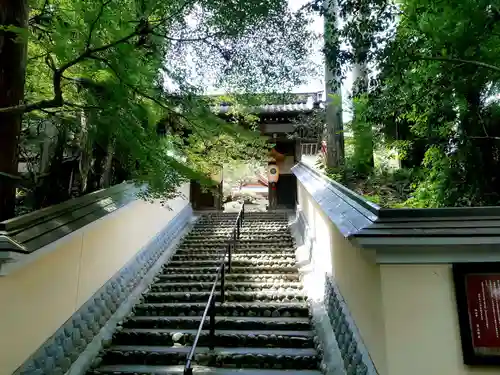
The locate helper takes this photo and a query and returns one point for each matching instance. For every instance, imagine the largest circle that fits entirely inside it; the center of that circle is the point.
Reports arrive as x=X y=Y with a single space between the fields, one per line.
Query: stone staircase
x=263 y=326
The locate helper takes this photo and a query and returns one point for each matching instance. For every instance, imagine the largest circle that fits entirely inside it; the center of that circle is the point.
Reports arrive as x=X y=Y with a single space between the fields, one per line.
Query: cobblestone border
x=357 y=360
x=63 y=348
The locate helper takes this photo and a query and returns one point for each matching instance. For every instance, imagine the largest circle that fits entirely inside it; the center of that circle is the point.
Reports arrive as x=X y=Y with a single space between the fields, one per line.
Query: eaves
x=444 y=235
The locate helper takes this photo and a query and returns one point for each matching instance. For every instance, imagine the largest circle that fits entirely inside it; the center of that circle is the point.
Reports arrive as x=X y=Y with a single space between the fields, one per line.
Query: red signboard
x=483 y=305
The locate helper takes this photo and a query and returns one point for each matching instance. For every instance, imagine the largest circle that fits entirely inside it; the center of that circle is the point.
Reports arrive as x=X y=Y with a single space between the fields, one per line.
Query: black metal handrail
x=210 y=308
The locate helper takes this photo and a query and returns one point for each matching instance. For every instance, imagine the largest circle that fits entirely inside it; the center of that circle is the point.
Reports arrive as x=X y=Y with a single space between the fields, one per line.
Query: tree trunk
x=85 y=162
x=12 y=75
x=360 y=78
x=362 y=133
x=334 y=123
x=108 y=164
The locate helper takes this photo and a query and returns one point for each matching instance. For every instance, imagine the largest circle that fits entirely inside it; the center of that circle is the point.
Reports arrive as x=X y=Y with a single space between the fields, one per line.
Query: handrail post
x=223 y=283
x=188 y=371
x=234 y=239
x=211 y=345
x=238 y=225
x=229 y=257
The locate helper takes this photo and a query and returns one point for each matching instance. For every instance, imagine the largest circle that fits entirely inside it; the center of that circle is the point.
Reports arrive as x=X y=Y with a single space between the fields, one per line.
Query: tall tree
x=13 y=45
x=333 y=81
x=438 y=73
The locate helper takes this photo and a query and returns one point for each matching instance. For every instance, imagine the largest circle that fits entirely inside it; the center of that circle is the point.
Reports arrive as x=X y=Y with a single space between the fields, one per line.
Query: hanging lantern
x=273 y=173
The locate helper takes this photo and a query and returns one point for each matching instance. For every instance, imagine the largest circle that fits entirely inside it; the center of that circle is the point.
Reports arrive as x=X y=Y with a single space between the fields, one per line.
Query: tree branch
x=189 y=40
x=38 y=56
x=164 y=20
x=57 y=100
x=50 y=62
x=34 y=19
x=45 y=5
x=94 y=24
x=453 y=60
x=81 y=106
x=24 y=108
x=48 y=112
x=486 y=137
x=90 y=51
x=134 y=89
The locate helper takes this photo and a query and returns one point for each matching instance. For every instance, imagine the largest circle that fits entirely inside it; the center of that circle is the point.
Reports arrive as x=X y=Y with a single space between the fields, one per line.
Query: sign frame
x=460 y=272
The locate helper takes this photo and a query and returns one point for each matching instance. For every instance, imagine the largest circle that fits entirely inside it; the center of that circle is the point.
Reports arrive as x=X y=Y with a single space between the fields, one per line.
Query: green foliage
x=434 y=97
x=361 y=159
x=434 y=190
x=385 y=187
x=118 y=71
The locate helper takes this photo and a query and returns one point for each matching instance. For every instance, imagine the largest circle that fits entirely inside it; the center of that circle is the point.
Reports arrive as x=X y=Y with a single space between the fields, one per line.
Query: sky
x=317 y=84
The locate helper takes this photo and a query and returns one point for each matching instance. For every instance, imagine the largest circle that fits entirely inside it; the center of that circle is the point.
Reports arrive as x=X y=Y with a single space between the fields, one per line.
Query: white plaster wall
x=406 y=314
x=422 y=332
x=38 y=298
x=355 y=272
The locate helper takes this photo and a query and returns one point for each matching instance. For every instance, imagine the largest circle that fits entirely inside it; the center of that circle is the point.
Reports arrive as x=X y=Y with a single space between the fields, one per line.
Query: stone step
x=250 y=223
x=247 y=217
x=275 y=242
x=199 y=246
x=237 y=270
x=235 y=262
x=267 y=246
x=229 y=286
x=215 y=226
x=243 y=229
x=227 y=357
x=244 y=237
x=224 y=223
x=248 y=213
x=278 y=241
x=266 y=215
x=165 y=297
x=211 y=231
x=242 y=249
x=209 y=236
x=221 y=322
x=236 y=256
x=249 y=228
x=249 y=309
x=227 y=338
x=268 y=277
x=197 y=370
x=264 y=228
x=229 y=224
x=268 y=237
x=216 y=220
